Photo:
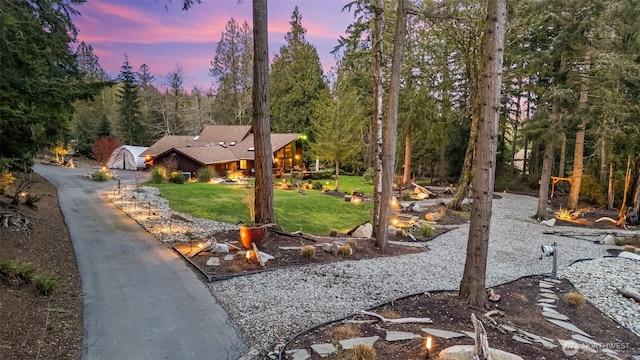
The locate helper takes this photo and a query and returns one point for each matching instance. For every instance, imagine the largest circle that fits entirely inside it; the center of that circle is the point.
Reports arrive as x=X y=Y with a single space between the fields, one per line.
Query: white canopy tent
x=127 y=157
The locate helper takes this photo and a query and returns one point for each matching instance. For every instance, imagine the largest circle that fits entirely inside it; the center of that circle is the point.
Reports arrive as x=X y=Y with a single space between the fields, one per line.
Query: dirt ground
x=518 y=302
x=286 y=250
x=36 y=326
x=32 y=325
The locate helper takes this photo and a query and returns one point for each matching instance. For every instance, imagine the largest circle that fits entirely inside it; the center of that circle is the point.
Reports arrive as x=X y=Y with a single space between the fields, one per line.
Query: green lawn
x=348 y=184
x=312 y=213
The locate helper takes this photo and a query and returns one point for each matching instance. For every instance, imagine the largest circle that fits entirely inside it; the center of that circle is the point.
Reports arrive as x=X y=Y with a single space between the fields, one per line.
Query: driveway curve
x=140 y=300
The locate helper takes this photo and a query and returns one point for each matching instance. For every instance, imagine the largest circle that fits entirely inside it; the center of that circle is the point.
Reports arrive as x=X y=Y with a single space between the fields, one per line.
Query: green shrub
x=32 y=199
x=592 y=190
x=17 y=272
x=204 y=174
x=100 y=176
x=46 y=282
x=176 y=177
x=426 y=230
x=158 y=174
x=322 y=175
x=317 y=185
x=295 y=177
x=367 y=177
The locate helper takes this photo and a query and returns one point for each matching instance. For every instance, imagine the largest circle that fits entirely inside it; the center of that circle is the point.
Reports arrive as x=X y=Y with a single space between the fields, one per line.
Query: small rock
x=549 y=296
x=220 y=248
x=213 y=261
x=555 y=315
x=521 y=339
x=349 y=343
x=228 y=257
x=608 y=240
x=299 y=354
x=548 y=301
x=585 y=339
x=546 y=285
x=324 y=349
x=466 y=352
x=550 y=222
x=568 y=326
x=628 y=255
x=507 y=328
x=442 y=333
x=401 y=335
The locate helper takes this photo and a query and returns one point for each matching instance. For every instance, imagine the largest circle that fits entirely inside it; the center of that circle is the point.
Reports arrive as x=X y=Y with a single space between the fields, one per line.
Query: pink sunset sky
x=163 y=37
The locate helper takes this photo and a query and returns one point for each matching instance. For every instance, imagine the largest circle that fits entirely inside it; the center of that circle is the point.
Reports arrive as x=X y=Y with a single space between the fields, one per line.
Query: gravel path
x=272 y=306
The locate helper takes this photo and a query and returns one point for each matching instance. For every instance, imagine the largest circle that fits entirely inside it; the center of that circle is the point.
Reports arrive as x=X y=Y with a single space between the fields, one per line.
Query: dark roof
x=217 y=144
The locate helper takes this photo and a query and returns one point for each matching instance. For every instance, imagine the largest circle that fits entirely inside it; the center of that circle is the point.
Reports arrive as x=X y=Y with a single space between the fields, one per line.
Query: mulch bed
x=272 y=244
x=518 y=302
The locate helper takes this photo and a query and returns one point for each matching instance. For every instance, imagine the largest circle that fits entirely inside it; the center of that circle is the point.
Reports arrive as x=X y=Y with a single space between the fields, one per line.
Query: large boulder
x=465 y=352
x=364 y=231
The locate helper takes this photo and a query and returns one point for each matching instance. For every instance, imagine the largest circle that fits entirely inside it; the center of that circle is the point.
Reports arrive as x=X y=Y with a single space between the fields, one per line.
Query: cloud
x=163 y=37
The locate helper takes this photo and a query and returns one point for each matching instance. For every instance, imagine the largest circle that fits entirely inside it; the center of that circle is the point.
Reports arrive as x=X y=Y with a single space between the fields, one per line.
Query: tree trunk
x=578 y=165
x=442 y=164
x=389 y=145
x=264 y=210
x=611 y=189
x=406 y=175
x=376 y=128
x=545 y=177
x=472 y=285
x=563 y=154
x=337 y=175
x=525 y=158
x=466 y=175
x=603 y=155
x=513 y=147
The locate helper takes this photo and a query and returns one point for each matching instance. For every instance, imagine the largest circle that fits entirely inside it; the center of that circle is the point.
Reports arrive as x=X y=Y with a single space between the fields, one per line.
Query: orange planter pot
x=249 y=235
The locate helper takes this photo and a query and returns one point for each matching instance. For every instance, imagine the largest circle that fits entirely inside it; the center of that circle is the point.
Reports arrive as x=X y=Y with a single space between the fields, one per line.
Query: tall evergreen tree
x=88 y=112
x=174 y=102
x=89 y=64
x=104 y=128
x=231 y=70
x=296 y=81
x=261 y=122
x=39 y=77
x=131 y=129
x=337 y=123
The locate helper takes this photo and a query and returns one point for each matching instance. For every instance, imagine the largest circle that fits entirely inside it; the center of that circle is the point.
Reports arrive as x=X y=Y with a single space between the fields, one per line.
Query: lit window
x=243 y=164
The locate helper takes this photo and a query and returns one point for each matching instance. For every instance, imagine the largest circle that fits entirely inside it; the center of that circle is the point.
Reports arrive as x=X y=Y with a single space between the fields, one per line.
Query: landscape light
x=428 y=346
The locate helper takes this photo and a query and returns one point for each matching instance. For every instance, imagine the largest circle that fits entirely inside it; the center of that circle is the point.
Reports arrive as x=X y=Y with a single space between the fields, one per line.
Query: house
x=227 y=149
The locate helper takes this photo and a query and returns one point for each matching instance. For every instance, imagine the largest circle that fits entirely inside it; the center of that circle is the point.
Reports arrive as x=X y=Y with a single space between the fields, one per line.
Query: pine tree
x=89 y=63
x=337 y=123
x=104 y=128
x=231 y=70
x=39 y=77
x=296 y=81
x=130 y=120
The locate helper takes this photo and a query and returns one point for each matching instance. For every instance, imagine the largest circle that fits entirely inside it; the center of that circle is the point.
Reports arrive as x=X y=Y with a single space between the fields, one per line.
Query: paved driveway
x=140 y=300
